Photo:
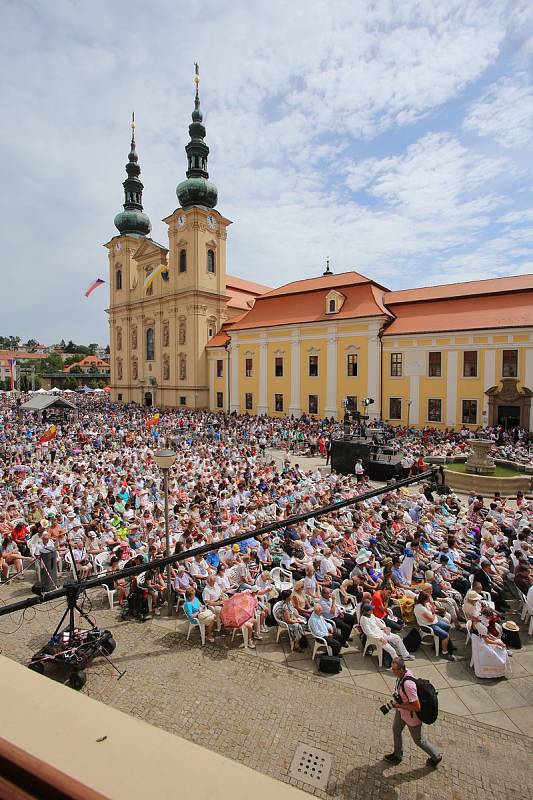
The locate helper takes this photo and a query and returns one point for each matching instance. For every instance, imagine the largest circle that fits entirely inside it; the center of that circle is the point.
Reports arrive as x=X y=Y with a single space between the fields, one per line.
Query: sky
x=392 y=136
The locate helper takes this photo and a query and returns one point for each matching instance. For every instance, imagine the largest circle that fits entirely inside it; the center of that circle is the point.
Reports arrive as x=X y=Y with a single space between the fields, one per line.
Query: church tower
x=197 y=258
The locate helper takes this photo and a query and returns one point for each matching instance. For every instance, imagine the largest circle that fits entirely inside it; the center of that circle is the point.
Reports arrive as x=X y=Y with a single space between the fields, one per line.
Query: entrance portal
x=148 y=400
x=509 y=416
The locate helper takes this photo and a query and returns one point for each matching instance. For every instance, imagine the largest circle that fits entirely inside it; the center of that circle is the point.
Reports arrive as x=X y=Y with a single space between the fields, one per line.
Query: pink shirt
x=409 y=694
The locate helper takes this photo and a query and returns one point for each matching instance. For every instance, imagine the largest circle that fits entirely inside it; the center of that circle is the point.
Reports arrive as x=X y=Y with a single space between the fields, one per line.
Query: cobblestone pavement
x=256 y=711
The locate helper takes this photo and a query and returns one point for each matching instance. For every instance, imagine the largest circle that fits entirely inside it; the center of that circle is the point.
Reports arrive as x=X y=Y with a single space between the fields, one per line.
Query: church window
x=150 y=344
x=211 y=261
x=313 y=369
x=118 y=279
x=183 y=261
x=396 y=365
x=248 y=401
x=220 y=399
x=352 y=365
x=249 y=367
x=395 y=407
x=434 y=364
x=469 y=416
x=470 y=364
x=220 y=368
x=278 y=402
x=313 y=404
x=510 y=364
x=332 y=306
x=434 y=410
x=278 y=367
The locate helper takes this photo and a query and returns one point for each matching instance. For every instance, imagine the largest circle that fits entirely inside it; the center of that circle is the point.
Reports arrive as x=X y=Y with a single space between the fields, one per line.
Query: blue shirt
x=191 y=607
x=318 y=625
x=213 y=558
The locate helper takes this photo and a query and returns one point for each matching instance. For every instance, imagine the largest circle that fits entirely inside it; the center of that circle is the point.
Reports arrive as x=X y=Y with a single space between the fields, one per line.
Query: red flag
x=152 y=421
x=48 y=435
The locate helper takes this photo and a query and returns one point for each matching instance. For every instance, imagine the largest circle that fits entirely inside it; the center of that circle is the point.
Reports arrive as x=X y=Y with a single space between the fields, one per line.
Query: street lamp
x=408 y=412
x=165 y=459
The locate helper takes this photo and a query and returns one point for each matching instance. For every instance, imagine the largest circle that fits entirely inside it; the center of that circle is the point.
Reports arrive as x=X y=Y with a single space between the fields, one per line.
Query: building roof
x=242 y=293
x=305 y=301
x=87 y=362
x=515 y=283
x=497 y=310
x=19 y=355
x=220 y=339
x=322 y=282
x=42 y=401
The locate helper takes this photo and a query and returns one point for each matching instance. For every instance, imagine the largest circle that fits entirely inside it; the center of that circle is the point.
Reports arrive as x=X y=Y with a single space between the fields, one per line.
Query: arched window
x=332 y=306
x=150 y=344
x=118 y=279
x=183 y=261
x=211 y=261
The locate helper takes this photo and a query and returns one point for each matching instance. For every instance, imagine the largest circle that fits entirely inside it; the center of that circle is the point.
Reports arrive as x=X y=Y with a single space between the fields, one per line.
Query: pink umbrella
x=238 y=609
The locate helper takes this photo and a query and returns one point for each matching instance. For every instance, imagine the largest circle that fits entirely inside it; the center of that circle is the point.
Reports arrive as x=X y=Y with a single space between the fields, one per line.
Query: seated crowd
x=405 y=556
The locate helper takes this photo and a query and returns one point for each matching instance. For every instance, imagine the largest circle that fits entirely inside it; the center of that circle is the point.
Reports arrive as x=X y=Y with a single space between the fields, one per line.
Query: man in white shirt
x=376 y=628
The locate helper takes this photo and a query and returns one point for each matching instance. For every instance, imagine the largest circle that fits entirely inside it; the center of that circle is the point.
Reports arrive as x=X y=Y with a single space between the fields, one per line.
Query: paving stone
x=476 y=699
x=448 y=701
x=499 y=719
x=522 y=718
x=505 y=695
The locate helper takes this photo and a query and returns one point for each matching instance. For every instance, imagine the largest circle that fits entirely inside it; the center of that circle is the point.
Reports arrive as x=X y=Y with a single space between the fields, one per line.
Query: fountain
x=480 y=463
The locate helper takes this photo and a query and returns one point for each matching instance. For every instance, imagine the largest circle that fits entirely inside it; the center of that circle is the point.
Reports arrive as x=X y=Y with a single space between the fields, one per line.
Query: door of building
x=148 y=400
x=509 y=416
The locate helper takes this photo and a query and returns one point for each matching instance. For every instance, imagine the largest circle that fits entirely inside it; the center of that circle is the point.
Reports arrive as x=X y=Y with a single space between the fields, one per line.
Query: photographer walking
x=407 y=705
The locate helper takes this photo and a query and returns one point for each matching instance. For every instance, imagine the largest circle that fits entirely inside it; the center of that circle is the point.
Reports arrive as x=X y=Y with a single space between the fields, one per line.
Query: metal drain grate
x=311 y=766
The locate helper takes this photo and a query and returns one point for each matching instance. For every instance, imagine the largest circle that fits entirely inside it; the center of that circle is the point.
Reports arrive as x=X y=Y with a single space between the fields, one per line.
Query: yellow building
x=184 y=333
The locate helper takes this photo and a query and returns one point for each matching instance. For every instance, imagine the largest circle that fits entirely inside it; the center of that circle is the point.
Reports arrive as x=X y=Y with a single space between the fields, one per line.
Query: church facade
x=185 y=333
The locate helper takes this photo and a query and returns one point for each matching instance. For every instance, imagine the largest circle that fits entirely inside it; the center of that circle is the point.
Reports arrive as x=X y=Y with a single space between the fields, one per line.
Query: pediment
x=148 y=249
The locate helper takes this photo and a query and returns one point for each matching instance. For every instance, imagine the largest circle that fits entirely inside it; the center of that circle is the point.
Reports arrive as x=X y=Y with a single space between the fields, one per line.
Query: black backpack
x=427 y=697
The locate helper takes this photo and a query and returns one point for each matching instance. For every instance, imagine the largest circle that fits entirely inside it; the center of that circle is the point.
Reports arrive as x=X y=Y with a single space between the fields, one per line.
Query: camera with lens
x=390 y=705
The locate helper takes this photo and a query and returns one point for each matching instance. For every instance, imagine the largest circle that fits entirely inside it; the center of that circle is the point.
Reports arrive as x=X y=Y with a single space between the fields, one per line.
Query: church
x=185 y=333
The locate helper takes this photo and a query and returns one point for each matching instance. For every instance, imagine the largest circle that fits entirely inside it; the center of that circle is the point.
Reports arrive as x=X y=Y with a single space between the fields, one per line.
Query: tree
x=32 y=345
x=52 y=363
x=107 y=350
x=71 y=383
x=93 y=347
x=77 y=369
x=9 y=342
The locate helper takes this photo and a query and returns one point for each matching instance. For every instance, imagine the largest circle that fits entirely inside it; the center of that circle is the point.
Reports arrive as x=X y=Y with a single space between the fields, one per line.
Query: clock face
x=211 y=221
x=181 y=220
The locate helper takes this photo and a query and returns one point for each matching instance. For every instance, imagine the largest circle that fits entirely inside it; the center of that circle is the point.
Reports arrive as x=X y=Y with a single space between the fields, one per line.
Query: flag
x=153 y=275
x=48 y=435
x=12 y=362
x=94 y=285
x=152 y=421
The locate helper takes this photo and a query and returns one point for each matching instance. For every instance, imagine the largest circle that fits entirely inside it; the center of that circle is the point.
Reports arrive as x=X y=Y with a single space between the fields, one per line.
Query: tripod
x=73 y=593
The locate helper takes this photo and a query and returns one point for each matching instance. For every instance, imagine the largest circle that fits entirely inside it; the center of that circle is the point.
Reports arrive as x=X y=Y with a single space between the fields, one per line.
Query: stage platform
x=380 y=462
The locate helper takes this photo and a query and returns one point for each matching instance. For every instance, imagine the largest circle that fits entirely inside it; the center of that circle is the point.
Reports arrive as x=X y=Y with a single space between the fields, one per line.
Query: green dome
x=133 y=221
x=197 y=192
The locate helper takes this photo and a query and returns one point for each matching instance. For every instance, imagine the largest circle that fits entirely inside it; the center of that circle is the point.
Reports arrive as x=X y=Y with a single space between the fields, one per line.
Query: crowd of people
x=93 y=495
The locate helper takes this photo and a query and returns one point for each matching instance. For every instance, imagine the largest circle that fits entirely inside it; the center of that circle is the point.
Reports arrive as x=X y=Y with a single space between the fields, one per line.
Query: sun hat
x=472 y=595
x=362 y=558
x=509 y=625
x=44 y=524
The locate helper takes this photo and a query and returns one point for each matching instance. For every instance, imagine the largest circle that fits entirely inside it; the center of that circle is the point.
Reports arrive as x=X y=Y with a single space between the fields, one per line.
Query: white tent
x=68 y=391
x=55 y=390
x=41 y=391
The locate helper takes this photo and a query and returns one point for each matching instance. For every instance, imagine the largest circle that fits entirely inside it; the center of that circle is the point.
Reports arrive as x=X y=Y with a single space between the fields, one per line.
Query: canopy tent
x=46 y=401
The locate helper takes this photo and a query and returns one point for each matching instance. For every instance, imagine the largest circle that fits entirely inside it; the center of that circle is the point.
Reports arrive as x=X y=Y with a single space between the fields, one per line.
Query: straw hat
x=510 y=626
x=472 y=595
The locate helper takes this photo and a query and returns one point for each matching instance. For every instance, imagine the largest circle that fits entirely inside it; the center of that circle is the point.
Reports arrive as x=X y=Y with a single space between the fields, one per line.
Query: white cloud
x=505 y=112
x=332 y=128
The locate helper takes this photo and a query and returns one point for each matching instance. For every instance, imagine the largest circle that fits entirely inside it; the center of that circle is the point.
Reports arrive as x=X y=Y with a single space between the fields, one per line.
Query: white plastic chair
x=371 y=640
x=244 y=631
x=110 y=595
x=281 y=578
x=101 y=561
x=200 y=626
x=429 y=637
x=282 y=625
x=468 y=630
x=320 y=645
x=348 y=604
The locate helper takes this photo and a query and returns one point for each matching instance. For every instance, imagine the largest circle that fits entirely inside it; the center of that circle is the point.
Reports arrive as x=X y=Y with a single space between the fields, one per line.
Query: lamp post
x=408 y=412
x=165 y=459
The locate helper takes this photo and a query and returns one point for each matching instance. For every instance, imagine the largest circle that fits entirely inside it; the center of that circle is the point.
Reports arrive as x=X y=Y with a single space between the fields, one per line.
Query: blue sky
x=393 y=137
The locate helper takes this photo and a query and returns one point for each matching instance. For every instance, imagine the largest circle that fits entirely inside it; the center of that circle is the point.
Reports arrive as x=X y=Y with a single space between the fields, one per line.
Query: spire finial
x=132 y=219
x=328 y=271
x=133 y=125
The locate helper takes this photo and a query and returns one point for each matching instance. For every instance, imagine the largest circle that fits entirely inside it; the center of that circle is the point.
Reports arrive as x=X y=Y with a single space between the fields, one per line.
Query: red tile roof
x=242 y=293
x=498 y=310
x=305 y=301
x=515 y=283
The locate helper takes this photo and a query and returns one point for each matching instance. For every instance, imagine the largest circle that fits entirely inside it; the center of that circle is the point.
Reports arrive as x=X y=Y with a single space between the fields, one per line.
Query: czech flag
x=152 y=421
x=48 y=435
x=94 y=285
